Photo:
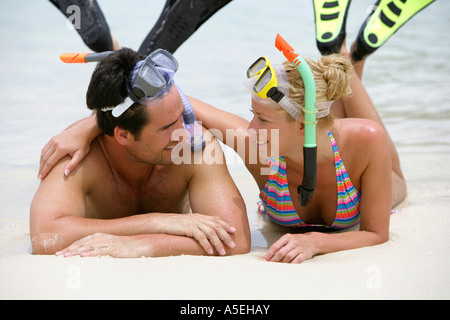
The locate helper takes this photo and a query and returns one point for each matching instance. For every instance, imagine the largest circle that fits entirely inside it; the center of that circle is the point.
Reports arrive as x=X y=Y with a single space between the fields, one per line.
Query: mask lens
x=256 y=67
x=163 y=59
x=263 y=81
x=153 y=77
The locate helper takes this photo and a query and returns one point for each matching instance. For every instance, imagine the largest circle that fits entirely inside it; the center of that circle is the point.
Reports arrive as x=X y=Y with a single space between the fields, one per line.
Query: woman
x=359 y=178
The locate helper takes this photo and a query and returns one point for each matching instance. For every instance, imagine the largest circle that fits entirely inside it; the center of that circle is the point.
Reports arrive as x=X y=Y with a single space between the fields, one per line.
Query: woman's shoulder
x=359 y=132
x=359 y=142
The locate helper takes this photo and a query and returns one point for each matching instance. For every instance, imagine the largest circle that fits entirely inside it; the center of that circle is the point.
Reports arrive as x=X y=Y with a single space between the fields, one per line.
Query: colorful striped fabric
x=277 y=203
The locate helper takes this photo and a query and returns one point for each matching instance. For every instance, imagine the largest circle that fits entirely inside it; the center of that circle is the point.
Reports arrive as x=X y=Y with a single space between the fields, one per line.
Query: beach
x=407 y=79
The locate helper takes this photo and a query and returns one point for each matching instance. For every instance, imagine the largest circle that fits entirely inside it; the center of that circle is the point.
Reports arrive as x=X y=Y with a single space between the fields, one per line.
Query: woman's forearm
x=215 y=119
x=324 y=243
x=89 y=127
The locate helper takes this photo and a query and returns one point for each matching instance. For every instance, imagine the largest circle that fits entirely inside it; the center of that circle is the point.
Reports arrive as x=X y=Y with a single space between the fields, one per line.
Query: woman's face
x=275 y=134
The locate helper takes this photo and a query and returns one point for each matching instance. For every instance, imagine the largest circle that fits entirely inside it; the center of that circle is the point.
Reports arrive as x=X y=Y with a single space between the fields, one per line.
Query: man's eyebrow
x=167 y=126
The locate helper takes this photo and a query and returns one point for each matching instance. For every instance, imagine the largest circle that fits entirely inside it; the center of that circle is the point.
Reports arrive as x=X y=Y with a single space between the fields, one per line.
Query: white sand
x=413 y=264
x=409 y=81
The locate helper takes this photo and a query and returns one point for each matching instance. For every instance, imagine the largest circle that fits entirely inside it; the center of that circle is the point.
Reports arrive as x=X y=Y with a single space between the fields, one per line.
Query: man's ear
x=122 y=136
x=300 y=128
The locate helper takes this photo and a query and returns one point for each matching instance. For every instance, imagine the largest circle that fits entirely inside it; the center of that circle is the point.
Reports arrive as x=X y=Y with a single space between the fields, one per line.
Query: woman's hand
x=291 y=248
x=74 y=141
x=65 y=143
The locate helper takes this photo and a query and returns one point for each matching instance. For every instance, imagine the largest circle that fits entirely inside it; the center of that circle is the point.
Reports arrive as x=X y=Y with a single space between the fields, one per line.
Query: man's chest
x=115 y=199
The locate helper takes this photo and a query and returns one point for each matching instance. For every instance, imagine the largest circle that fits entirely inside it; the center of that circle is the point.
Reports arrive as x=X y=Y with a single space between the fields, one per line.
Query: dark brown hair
x=108 y=88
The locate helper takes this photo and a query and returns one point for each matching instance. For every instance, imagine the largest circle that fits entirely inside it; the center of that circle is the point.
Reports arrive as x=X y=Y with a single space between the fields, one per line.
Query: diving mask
x=270 y=81
x=149 y=79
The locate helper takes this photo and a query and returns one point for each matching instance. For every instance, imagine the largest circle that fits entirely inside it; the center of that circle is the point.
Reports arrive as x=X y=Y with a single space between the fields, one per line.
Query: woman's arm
x=74 y=141
x=232 y=131
x=219 y=121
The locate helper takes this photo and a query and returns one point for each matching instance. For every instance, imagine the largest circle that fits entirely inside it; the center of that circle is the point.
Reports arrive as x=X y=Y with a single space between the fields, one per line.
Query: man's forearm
x=89 y=126
x=163 y=245
x=62 y=232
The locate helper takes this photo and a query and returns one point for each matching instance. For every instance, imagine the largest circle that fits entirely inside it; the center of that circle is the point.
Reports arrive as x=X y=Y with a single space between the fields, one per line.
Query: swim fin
x=177 y=22
x=383 y=22
x=92 y=28
x=330 y=18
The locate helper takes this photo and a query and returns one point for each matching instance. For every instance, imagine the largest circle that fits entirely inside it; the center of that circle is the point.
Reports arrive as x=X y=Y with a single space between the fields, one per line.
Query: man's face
x=155 y=144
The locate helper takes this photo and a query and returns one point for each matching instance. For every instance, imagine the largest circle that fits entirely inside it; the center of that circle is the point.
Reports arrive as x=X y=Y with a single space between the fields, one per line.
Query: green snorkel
x=306 y=189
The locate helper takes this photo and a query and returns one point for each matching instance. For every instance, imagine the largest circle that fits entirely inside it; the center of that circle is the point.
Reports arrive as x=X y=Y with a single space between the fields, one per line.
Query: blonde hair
x=332 y=76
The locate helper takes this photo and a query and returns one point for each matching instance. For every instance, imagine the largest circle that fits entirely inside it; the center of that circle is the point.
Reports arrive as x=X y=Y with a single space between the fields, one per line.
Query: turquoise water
x=408 y=78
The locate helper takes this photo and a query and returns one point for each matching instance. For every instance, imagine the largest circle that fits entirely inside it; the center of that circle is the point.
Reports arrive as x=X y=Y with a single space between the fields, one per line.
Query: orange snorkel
x=83 y=57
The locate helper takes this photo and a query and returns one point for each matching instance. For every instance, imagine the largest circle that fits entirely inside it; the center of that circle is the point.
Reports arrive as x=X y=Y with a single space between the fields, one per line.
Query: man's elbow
x=243 y=246
x=45 y=243
x=45 y=236
x=242 y=249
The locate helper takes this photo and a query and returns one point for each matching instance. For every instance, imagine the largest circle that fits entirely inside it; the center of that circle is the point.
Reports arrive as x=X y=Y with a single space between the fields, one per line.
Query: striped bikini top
x=277 y=202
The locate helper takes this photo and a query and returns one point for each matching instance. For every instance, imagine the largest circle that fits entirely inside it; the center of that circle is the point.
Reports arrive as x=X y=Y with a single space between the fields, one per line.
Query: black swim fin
x=177 y=22
x=91 y=26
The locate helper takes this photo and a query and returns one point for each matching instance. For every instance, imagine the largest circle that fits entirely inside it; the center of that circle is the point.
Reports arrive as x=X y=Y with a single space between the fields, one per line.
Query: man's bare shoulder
x=89 y=170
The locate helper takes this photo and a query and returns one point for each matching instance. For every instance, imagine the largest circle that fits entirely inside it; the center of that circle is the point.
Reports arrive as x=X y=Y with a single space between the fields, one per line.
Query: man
x=127 y=198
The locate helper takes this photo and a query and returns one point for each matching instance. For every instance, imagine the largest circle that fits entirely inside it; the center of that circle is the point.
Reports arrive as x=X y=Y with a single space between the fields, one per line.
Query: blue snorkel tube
x=191 y=124
x=306 y=189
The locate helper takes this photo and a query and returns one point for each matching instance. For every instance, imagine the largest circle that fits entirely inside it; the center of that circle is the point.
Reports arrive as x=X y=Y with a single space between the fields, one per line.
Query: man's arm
x=214 y=198
x=213 y=192
x=58 y=212
x=58 y=222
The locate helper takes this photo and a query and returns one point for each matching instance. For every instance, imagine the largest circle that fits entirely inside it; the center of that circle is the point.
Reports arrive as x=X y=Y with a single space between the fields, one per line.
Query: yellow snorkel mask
x=270 y=83
x=266 y=76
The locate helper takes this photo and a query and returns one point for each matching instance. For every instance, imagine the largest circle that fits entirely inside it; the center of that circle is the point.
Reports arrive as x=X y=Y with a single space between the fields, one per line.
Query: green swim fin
x=383 y=22
x=330 y=18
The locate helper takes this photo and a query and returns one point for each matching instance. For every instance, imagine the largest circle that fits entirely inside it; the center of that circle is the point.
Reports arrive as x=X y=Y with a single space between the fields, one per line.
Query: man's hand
x=100 y=244
x=210 y=232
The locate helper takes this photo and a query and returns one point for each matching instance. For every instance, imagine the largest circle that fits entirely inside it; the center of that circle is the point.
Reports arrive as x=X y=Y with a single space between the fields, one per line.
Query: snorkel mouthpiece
x=306 y=189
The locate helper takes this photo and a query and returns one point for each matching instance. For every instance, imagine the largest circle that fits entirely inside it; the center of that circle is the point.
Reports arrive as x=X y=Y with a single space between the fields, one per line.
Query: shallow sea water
x=408 y=78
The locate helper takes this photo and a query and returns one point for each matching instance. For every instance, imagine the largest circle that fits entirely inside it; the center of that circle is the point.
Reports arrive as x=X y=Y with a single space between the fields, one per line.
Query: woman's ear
x=300 y=128
x=122 y=136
